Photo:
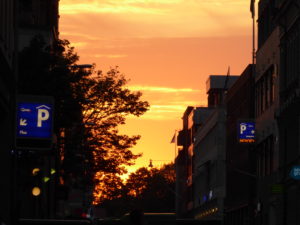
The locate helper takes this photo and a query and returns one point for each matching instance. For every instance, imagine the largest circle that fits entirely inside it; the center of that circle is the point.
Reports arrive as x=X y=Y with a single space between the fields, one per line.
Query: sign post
x=34 y=122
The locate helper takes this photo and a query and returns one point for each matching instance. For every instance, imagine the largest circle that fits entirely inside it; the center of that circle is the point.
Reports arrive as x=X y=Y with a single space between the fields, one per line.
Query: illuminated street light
x=46 y=179
x=36 y=191
x=52 y=171
x=35 y=171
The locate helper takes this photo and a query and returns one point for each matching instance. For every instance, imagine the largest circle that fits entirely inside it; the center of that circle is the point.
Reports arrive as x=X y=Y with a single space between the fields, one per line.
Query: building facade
x=240 y=157
x=288 y=115
x=200 y=164
x=37 y=17
x=268 y=204
x=209 y=167
x=7 y=96
x=184 y=165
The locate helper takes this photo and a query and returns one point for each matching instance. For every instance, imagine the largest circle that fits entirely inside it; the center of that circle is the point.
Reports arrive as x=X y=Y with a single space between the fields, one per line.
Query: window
x=272 y=91
x=26 y=5
x=256 y=102
x=265 y=161
x=262 y=89
x=267 y=95
x=265 y=91
x=290 y=58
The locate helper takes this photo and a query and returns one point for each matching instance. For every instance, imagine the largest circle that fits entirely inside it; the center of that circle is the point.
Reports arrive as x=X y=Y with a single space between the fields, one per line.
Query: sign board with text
x=246 y=132
x=34 y=121
x=295 y=173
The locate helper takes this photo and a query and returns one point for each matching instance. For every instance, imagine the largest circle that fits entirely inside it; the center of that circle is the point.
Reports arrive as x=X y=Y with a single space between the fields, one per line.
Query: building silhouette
x=240 y=157
x=288 y=20
x=32 y=18
x=7 y=98
x=184 y=163
x=266 y=105
x=37 y=17
x=260 y=181
x=200 y=164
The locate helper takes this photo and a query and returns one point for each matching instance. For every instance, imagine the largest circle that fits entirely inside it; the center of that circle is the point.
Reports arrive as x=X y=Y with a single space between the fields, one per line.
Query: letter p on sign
x=243 y=127
x=43 y=114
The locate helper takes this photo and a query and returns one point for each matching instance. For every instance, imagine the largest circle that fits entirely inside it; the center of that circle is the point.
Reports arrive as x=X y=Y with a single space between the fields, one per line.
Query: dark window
x=265 y=91
x=262 y=102
x=290 y=57
x=272 y=80
x=26 y=5
x=272 y=154
x=265 y=161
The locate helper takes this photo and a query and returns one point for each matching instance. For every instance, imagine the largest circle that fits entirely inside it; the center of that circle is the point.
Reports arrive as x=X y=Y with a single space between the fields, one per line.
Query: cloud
x=170 y=107
x=79 y=44
x=110 y=56
x=98 y=7
x=161 y=89
x=80 y=35
x=159 y=18
x=173 y=110
x=166 y=112
x=167 y=103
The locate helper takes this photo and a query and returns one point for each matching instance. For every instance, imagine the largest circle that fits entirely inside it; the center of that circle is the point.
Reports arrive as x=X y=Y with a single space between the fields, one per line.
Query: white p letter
x=243 y=128
x=43 y=114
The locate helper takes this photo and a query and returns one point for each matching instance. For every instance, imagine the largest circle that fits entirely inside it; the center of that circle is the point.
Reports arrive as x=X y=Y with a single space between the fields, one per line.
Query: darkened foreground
x=156 y=219
x=150 y=219
x=53 y=222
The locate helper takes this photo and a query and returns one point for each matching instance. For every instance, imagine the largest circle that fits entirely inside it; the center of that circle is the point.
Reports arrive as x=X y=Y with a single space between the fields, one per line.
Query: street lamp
x=36 y=191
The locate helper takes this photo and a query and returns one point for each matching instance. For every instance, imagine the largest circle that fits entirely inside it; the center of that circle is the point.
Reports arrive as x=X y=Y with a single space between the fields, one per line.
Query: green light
x=53 y=171
x=46 y=179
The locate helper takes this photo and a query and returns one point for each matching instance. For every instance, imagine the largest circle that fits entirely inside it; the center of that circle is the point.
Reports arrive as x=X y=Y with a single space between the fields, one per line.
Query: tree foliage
x=152 y=190
x=106 y=103
x=89 y=107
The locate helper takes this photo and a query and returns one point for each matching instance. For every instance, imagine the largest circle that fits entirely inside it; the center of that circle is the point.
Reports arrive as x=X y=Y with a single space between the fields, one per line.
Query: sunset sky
x=167 y=48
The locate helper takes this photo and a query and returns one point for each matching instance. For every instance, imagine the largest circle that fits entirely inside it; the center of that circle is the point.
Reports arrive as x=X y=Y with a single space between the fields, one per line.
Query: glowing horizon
x=167 y=48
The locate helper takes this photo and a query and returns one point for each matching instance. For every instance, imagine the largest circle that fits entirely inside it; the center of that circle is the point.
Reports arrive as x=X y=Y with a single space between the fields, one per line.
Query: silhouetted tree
x=152 y=190
x=159 y=194
x=106 y=103
x=89 y=107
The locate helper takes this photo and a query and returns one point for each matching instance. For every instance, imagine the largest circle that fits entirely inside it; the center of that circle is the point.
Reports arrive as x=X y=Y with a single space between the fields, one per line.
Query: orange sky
x=167 y=48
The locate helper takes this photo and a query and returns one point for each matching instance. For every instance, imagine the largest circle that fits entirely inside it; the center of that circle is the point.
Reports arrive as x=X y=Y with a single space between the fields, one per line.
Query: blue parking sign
x=34 y=120
x=246 y=132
